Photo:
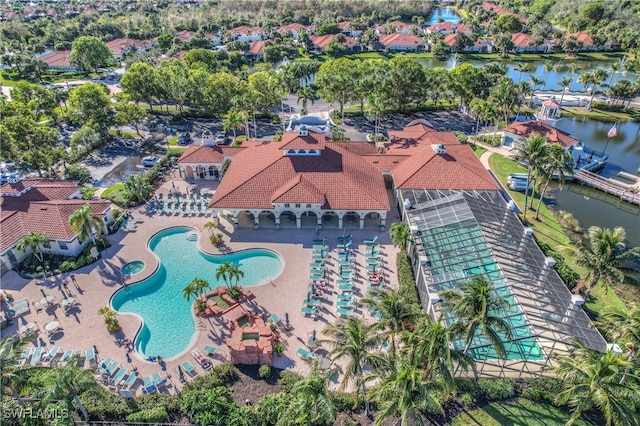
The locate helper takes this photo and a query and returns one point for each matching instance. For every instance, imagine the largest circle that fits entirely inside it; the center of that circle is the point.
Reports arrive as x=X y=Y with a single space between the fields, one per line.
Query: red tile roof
x=323 y=41
x=44 y=208
x=292 y=27
x=256 y=47
x=121 y=45
x=522 y=39
x=291 y=140
x=185 y=35
x=551 y=102
x=419 y=137
x=207 y=154
x=552 y=134
x=399 y=39
x=58 y=58
x=583 y=37
x=501 y=10
x=246 y=30
x=450 y=39
x=448 y=26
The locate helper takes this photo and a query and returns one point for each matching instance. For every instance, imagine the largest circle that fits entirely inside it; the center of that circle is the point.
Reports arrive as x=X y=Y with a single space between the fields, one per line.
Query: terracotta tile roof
x=551 y=102
x=121 y=45
x=458 y=169
x=583 y=37
x=323 y=41
x=552 y=134
x=522 y=39
x=256 y=47
x=261 y=173
x=185 y=35
x=448 y=26
x=291 y=140
x=450 y=39
x=45 y=208
x=399 y=39
x=418 y=136
x=207 y=154
x=58 y=58
x=501 y=10
x=294 y=26
x=386 y=162
x=246 y=30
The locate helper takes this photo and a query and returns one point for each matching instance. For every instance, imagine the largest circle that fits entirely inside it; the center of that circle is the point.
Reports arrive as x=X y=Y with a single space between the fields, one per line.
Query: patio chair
x=189 y=368
x=210 y=350
x=345 y=238
x=37 y=306
x=345 y=245
x=311 y=302
x=345 y=312
x=160 y=195
x=125 y=393
x=117 y=378
x=310 y=310
x=37 y=355
x=19 y=310
x=17 y=303
x=105 y=363
x=51 y=354
x=345 y=296
x=67 y=355
x=371 y=241
x=90 y=356
x=346 y=303
x=26 y=354
x=304 y=354
x=346 y=287
x=130 y=380
x=148 y=386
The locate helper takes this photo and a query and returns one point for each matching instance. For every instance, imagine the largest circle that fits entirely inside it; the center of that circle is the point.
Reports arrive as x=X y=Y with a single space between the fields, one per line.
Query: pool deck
x=83 y=327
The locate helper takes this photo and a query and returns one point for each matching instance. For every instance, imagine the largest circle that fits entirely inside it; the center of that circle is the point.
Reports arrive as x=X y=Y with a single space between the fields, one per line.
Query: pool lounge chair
x=17 y=303
x=112 y=368
x=211 y=350
x=148 y=386
x=344 y=245
x=51 y=354
x=90 y=356
x=371 y=241
x=19 y=310
x=345 y=238
x=311 y=302
x=345 y=312
x=158 y=380
x=125 y=393
x=130 y=380
x=345 y=296
x=26 y=354
x=67 y=356
x=304 y=354
x=345 y=287
x=37 y=355
x=189 y=368
x=117 y=378
x=105 y=364
x=346 y=303
x=347 y=275
x=310 y=310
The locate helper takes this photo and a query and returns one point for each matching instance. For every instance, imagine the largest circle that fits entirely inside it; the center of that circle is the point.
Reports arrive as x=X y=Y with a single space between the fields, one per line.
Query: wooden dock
x=626 y=192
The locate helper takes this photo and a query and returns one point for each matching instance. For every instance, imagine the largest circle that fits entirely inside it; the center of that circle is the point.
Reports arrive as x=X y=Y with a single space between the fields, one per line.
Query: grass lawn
x=173 y=140
x=549 y=231
x=596 y=114
x=9 y=82
x=176 y=151
x=478 y=150
x=123 y=134
x=517 y=411
x=116 y=194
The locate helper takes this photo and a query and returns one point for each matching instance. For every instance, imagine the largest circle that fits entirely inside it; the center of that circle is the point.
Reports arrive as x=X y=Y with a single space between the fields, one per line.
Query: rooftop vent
x=414 y=229
x=439 y=149
x=434 y=298
x=528 y=232
x=577 y=300
x=302 y=131
x=549 y=261
x=407 y=204
x=511 y=205
x=423 y=260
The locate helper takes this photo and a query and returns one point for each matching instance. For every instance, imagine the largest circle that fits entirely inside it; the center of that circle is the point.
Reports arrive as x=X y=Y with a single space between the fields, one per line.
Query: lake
x=444 y=14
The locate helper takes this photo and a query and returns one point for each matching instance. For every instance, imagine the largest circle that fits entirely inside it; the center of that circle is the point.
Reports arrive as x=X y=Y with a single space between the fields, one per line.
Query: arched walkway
x=308 y=220
x=330 y=220
x=287 y=220
x=351 y=220
x=267 y=219
x=372 y=220
x=245 y=219
x=200 y=172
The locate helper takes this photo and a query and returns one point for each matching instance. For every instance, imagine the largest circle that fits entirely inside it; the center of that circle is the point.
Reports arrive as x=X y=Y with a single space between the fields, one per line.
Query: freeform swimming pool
x=167 y=316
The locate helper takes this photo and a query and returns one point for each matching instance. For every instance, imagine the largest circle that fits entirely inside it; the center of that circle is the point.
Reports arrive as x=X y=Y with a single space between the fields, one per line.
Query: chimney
x=302 y=131
x=439 y=149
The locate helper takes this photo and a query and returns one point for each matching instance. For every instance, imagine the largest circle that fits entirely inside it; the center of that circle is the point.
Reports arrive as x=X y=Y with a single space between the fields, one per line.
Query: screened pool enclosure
x=458 y=235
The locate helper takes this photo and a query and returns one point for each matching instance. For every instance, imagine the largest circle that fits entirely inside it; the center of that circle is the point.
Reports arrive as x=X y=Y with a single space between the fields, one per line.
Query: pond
x=444 y=15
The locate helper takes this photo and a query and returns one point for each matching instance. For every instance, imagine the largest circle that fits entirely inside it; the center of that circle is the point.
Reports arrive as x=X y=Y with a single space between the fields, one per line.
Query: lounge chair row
x=42 y=355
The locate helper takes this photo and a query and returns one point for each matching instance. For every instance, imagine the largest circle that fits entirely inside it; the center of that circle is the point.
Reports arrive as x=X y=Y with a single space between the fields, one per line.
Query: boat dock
x=626 y=192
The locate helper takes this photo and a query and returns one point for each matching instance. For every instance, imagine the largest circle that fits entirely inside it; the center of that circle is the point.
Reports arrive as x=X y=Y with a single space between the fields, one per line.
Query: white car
x=150 y=161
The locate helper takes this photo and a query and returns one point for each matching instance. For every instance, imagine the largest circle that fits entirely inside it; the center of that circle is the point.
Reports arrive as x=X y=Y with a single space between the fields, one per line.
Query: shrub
x=288 y=379
x=173 y=140
x=238 y=141
x=264 y=371
x=270 y=408
x=147 y=401
x=87 y=192
x=102 y=404
x=219 y=375
x=462 y=138
x=279 y=348
x=208 y=406
x=467 y=398
x=78 y=172
x=469 y=386
x=497 y=389
x=278 y=136
x=406 y=279
x=568 y=275
x=541 y=389
x=275 y=119
x=234 y=292
x=149 y=415
x=345 y=401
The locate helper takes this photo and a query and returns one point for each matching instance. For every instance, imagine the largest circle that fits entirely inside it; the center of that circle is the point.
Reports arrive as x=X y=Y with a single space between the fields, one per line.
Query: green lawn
x=549 y=231
x=478 y=150
x=596 y=114
x=515 y=412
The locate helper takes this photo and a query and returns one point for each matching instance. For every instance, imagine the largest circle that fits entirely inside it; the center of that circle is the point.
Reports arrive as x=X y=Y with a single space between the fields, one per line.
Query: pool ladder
x=191 y=236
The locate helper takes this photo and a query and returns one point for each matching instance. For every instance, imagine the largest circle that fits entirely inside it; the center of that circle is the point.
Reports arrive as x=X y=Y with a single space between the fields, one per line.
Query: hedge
x=408 y=289
x=568 y=275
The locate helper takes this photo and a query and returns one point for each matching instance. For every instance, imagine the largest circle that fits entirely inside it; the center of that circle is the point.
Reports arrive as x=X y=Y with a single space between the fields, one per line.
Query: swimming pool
x=168 y=325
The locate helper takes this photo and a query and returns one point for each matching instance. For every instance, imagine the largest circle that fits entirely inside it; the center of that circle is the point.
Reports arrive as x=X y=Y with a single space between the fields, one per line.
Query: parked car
x=220 y=139
x=184 y=139
x=8 y=166
x=150 y=161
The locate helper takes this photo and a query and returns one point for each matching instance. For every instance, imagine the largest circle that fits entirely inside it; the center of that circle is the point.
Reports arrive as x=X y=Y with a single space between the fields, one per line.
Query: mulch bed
x=250 y=386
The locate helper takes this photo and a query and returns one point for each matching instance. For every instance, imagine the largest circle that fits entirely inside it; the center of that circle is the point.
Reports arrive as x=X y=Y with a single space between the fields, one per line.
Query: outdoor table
x=27 y=327
x=69 y=301
x=52 y=326
x=325 y=363
x=47 y=300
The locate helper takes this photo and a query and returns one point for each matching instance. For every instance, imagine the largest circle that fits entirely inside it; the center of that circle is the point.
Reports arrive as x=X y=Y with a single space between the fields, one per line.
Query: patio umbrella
x=313 y=335
x=43 y=293
x=286 y=317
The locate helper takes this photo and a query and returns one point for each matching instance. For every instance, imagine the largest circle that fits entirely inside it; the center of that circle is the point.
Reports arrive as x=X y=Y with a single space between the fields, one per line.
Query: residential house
x=43 y=206
x=400 y=42
x=397 y=27
x=295 y=29
x=58 y=60
x=121 y=46
x=246 y=33
x=321 y=42
x=447 y=28
x=587 y=42
x=347 y=29
x=502 y=11
x=518 y=131
x=255 y=52
x=481 y=45
x=526 y=43
x=187 y=36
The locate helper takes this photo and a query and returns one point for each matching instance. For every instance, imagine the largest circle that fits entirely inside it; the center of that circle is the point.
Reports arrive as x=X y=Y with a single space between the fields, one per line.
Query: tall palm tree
x=235 y=274
x=224 y=271
x=533 y=152
x=305 y=94
x=623 y=326
x=548 y=67
x=615 y=67
x=400 y=233
x=233 y=121
x=396 y=313
x=190 y=291
x=525 y=90
x=310 y=402
x=565 y=83
x=11 y=372
x=402 y=389
x=351 y=338
x=536 y=81
x=432 y=342
x=375 y=107
x=84 y=222
x=522 y=68
x=558 y=163
x=476 y=307
x=505 y=97
x=199 y=285
x=210 y=226
x=592 y=380
x=67 y=383
x=575 y=69
x=138 y=188
x=34 y=243
x=602 y=257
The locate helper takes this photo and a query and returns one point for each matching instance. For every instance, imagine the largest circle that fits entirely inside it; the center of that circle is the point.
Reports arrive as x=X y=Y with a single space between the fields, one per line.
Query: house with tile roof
x=246 y=33
x=206 y=161
x=43 y=206
x=481 y=45
x=400 y=42
x=121 y=46
x=255 y=52
x=295 y=29
x=447 y=28
x=348 y=29
x=397 y=27
x=58 y=60
x=307 y=181
x=520 y=131
x=526 y=43
x=321 y=42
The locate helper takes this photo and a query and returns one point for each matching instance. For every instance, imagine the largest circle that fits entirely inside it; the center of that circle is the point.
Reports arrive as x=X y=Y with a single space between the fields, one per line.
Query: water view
x=445 y=14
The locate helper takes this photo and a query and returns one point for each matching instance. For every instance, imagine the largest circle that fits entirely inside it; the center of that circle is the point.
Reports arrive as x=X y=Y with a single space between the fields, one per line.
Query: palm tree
x=548 y=67
x=375 y=107
x=305 y=94
x=592 y=380
x=138 y=188
x=525 y=90
x=476 y=308
x=83 y=222
x=522 y=68
x=624 y=326
x=10 y=372
x=615 y=67
x=559 y=162
x=233 y=121
x=235 y=274
x=593 y=78
x=34 y=243
x=190 y=291
x=575 y=69
x=396 y=313
x=403 y=389
x=210 y=226
x=67 y=383
x=400 y=233
x=311 y=403
x=432 y=342
x=196 y=287
x=565 y=83
x=224 y=271
x=602 y=257
x=535 y=81
x=532 y=151
x=351 y=338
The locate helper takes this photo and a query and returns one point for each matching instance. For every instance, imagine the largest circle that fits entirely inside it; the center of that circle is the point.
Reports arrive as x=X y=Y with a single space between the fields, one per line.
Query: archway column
x=340 y=222
x=298 y=221
x=256 y=220
x=361 y=221
x=235 y=220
